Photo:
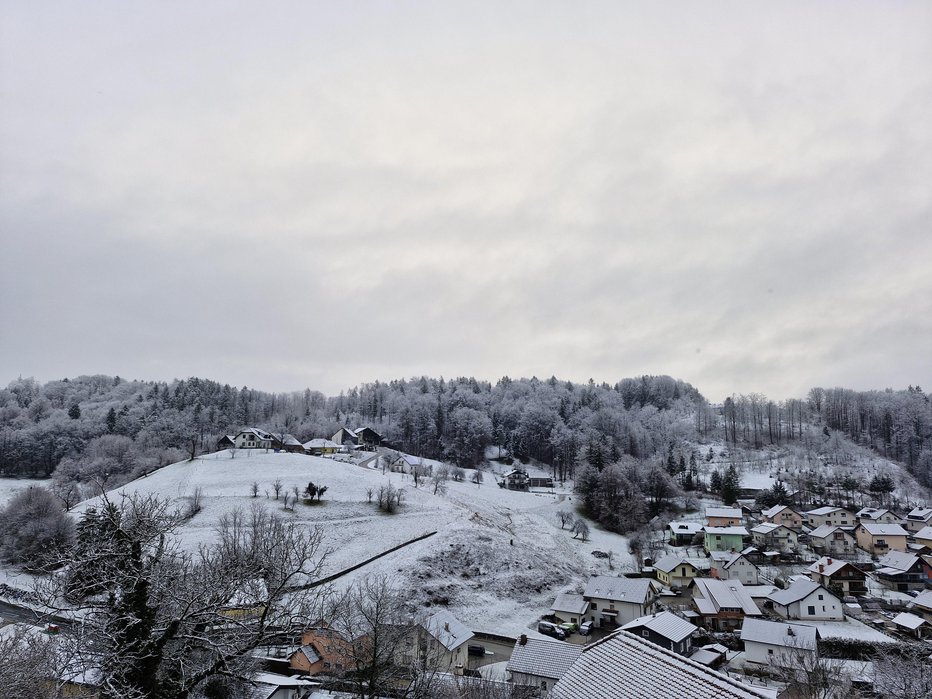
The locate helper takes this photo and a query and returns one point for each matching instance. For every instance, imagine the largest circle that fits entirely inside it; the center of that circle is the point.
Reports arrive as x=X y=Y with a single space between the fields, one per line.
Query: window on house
x=644 y=633
x=595 y=607
x=811 y=611
x=770 y=651
x=820 y=598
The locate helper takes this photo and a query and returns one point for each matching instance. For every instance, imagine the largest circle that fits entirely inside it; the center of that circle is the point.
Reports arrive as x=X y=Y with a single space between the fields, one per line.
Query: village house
x=254 y=438
x=924 y=537
x=836 y=516
x=615 y=601
x=406 y=463
x=570 y=608
x=807 y=600
x=289 y=443
x=665 y=629
x=774 y=536
x=441 y=642
x=724 y=517
x=918 y=518
x=683 y=533
x=902 y=571
x=913 y=625
x=368 y=438
x=321 y=447
x=783 y=514
x=831 y=540
x=626 y=665
x=724 y=538
x=345 y=437
x=841 y=577
x=731 y=565
x=270 y=685
x=227 y=441
x=778 y=644
x=876 y=515
x=323 y=650
x=540 y=663
x=516 y=479
x=677 y=571
x=722 y=604
x=878 y=539
x=922 y=605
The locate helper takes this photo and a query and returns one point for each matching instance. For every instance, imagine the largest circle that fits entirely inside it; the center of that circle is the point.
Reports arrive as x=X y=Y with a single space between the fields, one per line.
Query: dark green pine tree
x=731 y=485
x=74 y=412
x=111 y=420
x=715 y=482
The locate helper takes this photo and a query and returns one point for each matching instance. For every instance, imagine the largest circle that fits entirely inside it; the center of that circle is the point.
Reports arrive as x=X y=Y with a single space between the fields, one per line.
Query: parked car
x=550 y=629
x=569 y=627
x=585 y=628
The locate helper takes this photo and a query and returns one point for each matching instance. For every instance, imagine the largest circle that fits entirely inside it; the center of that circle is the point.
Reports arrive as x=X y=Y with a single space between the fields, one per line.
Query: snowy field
x=498 y=559
x=10 y=486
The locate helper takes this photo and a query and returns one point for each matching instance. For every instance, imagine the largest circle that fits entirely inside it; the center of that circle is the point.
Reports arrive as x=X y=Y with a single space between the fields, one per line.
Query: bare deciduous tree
x=277 y=487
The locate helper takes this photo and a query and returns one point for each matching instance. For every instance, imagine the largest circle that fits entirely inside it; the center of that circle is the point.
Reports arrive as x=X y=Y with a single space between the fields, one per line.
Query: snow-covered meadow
x=497 y=560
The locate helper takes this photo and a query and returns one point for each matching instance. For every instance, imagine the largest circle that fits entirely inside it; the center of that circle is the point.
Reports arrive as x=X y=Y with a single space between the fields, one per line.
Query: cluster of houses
x=343 y=440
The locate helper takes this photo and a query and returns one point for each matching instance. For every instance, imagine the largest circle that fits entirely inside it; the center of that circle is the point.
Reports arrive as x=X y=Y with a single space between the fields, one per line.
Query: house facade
x=570 y=608
x=254 y=438
x=807 y=600
x=917 y=518
x=840 y=577
x=724 y=517
x=722 y=605
x=665 y=629
x=879 y=539
x=614 y=601
x=724 y=538
x=876 y=515
x=734 y=566
x=676 y=571
x=540 y=664
x=903 y=572
x=683 y=533
x=836 y=516
x=774 y=643
x=829 y=540
x=774 y=536
x=783 y=514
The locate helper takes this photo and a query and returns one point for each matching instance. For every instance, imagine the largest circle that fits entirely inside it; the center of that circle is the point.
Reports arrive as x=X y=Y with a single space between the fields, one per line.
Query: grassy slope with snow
x=497 y=561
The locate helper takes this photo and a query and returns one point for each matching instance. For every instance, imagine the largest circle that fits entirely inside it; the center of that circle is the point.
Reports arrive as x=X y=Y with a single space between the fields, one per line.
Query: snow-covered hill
x=497 y=560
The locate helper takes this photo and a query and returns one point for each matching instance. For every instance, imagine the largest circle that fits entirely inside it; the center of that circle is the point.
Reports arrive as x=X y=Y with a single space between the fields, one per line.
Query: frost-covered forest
x=108 y=430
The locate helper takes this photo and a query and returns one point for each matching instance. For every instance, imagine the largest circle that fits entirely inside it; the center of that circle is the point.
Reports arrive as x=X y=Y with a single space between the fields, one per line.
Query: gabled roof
x=685 y=527
x=924 y=533
x=822 y=511
x=800 y=589
x=776 y=509
x=624 y=665
x=711 y=596
x=830 y=566
x=735 y=558
x=909 y=621
x=883 y=529
x=924 y=600
x=321 y=444
x=923 y=514
x=669 y=562
x=566 y=602
x=543 y=658
x=768 y=528
x=634 y=590
x=871 y=513
x=899 y=560
x=825 y=530
x=724 y=512
x=261 y=434
x=447 y=629
x=776 y=633
x=737 y=531
x=666 y=624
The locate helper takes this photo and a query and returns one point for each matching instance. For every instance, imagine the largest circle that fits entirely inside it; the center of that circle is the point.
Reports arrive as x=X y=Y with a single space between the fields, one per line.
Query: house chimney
x=822 y=568
x=446 y=626
x=789 y=631
x=523 y=640
x=829 y=561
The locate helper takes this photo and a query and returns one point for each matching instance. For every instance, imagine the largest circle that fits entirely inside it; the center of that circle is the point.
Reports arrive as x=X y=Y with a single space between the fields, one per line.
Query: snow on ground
x=497 y=561
x=10 y=486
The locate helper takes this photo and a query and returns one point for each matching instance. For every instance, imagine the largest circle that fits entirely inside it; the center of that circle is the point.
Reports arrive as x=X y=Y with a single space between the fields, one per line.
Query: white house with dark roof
x=540 y=663
x=570 y=608
x=616 y=600
x=776 y=643
x=625 y=666
x=917 y=518
x=254 y=438
x=837 y=516
x=807 y=600
x=832 y=540
x=666 y=629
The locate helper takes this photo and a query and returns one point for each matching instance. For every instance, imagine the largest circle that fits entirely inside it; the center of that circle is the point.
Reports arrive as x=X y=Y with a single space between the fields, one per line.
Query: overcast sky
x=283 y=195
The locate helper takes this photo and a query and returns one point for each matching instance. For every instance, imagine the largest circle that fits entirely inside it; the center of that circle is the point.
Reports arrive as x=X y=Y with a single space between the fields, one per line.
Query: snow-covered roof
x=850 y=628
x=883 y=529
x=767 y=528
x=685 y=527
x=262 y=434
x=871 y=513
x=923 y=514
x=447 y=629
x=724 y=512
x=923 y=600
x=741 y=531
x=822 y=511
x=625 y=665
x=634 y=590
x=321 y=444
x=566 y=602
x=666 y=624
x=924 y=533
x=823 y=531
x=775 y=510
x=669 y=562
x=899 y=560
x=714 y=595
x=775 y=633
x=830 y=566
x=735 y=557
x=542 y=658
x=800 y=589
x=909 y=621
